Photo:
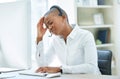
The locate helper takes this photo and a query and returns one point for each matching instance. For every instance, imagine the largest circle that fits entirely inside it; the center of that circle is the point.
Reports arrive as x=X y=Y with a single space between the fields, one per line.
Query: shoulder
x=83 y=32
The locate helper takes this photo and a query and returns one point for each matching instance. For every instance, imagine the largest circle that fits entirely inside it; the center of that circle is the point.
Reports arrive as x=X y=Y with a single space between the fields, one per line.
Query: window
x=38 y=8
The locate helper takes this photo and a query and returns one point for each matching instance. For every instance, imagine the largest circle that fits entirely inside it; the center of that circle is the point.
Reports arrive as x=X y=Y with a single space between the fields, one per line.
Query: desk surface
x=84 y=76
x=67 y=76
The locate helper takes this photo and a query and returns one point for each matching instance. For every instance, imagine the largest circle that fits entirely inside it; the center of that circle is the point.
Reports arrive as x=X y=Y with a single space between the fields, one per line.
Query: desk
x=86 y=76
x=68 y=76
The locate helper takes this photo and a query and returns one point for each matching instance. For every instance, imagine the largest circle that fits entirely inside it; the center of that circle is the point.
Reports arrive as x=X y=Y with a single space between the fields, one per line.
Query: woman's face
x=54 y=23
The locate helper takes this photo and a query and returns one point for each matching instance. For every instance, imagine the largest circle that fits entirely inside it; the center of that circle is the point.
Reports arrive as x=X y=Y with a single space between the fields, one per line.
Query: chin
x=58 y=34
x=55 y=33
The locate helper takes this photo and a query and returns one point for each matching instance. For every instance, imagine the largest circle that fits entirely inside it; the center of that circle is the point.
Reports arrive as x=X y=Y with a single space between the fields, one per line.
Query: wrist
x=38 y=39
x=61 y=69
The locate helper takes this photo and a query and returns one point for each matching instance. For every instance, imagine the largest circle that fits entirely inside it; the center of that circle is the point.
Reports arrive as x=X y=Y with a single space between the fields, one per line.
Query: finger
x=41 y=28
x=41 y=21
x=43 y=71
x=38 y=70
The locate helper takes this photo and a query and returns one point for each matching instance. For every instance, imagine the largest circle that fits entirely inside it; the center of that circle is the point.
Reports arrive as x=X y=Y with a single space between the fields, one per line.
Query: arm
x=40 y=33
x=90 y=61
x=43 y=54
x=40 y=30
x=45 y=58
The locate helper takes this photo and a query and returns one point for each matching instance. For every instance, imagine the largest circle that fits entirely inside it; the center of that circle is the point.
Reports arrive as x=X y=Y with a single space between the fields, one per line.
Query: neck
x=66 y=32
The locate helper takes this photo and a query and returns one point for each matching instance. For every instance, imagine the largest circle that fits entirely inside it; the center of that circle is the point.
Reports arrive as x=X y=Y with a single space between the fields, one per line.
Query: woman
x=74 y=47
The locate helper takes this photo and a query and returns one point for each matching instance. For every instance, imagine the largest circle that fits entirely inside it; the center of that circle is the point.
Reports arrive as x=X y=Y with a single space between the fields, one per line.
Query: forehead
x=49 y=17
x=51 y=13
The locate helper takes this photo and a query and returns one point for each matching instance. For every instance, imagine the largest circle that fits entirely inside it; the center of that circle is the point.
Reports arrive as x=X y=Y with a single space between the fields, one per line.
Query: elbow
x=91 y=69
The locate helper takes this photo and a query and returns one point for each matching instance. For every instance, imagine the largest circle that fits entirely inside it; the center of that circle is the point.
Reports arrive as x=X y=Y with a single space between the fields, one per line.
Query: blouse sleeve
x=44 y=54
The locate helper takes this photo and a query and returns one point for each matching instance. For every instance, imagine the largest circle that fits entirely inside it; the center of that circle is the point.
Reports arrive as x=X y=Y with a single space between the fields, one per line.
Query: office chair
x=104 y=61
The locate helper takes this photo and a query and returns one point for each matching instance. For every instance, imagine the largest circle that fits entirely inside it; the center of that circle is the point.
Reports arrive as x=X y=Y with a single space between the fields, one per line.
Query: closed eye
x=50 y=23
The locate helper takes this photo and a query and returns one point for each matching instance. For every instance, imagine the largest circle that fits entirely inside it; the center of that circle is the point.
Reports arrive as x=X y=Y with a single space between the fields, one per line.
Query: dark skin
x=48 y=69
x=57 y=25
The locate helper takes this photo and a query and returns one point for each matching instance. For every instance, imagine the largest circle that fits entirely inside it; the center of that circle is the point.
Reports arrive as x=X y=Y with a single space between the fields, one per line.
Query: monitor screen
x=15 y=34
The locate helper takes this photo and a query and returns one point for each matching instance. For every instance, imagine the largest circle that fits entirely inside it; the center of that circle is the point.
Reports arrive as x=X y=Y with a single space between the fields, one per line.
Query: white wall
x=117 y=34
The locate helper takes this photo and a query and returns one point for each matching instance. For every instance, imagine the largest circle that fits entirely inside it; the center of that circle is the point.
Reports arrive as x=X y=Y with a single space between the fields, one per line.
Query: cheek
x=58 y=26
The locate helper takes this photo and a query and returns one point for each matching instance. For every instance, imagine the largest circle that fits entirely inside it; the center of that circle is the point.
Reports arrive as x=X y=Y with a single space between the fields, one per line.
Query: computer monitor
x=15 y=34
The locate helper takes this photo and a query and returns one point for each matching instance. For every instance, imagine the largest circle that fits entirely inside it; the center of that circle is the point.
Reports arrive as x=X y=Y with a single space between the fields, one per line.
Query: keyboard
x=48 y=75
x=32 y=73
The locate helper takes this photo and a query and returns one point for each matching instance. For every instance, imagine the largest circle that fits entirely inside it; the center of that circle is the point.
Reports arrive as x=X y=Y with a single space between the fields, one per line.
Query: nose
x=50 y=27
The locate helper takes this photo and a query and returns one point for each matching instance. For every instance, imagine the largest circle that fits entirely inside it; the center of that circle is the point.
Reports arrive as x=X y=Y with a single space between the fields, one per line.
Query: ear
x=64 y=17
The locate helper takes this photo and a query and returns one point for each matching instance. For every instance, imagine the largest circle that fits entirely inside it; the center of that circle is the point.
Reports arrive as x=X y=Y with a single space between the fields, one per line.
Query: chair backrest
x=104 y=61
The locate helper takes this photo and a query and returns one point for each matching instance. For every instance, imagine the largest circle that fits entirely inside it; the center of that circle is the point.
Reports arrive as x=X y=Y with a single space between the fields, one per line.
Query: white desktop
x=15 y=35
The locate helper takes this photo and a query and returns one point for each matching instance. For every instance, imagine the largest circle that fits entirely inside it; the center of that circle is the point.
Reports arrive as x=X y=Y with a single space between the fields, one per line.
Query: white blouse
x=77 y=55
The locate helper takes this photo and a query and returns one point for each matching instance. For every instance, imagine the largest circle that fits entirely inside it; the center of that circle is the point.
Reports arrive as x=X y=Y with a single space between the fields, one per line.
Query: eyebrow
x=47 y=23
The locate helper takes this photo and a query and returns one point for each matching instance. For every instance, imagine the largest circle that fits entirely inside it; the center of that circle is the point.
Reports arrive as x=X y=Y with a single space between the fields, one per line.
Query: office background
x=26 y=13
